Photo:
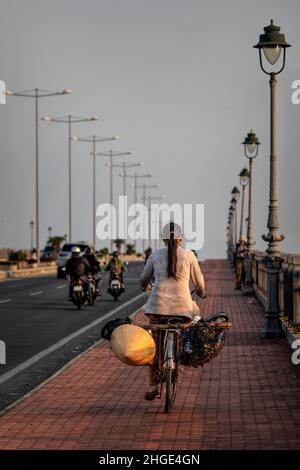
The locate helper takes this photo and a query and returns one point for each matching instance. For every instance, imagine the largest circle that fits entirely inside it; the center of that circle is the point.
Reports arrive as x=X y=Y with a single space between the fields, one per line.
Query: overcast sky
x=177 y=80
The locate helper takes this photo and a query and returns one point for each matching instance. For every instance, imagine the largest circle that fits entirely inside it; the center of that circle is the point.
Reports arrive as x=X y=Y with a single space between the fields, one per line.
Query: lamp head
x=272 y=42
x=244 y=177
x=251 y=144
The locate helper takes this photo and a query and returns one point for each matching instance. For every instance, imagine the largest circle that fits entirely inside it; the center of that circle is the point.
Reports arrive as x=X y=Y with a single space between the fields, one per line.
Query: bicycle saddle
x=220 y=316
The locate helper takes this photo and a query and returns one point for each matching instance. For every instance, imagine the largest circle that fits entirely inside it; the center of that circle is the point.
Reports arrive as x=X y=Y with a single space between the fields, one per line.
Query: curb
x=25 y=273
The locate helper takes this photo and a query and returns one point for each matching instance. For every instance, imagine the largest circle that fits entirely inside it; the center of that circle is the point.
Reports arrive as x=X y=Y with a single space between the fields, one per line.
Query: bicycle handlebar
x=166 y=326
x=183 y=326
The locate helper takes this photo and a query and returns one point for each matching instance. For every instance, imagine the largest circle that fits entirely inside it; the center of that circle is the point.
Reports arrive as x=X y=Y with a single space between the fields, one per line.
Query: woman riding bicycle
x=172 y=268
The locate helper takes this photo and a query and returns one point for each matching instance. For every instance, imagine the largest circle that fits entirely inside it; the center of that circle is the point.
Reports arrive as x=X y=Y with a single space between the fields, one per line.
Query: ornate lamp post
x=244 y=180
x=231 y=233
x=272 y=43
x=251 y=146
x=235 y=193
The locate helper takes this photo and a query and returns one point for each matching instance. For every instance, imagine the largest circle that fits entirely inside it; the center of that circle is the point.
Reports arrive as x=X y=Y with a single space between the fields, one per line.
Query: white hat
x=166 y=232
x=75 y=249
x=243 y=238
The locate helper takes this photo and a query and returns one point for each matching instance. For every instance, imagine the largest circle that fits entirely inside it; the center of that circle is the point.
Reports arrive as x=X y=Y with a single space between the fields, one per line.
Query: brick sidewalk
x=246 y=398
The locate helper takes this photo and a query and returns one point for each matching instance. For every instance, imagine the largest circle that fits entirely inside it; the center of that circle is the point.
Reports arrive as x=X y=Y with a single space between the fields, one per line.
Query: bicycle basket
x=206 y=342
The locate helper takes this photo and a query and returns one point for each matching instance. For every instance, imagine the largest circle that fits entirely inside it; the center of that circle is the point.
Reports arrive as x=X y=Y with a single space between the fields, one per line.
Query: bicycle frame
x=169 y=359
x=168 y=343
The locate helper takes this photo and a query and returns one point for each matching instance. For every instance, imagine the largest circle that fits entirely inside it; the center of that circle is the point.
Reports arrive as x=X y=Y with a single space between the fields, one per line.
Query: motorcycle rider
x=77 y=267
x=116 y=266
x=94 y=265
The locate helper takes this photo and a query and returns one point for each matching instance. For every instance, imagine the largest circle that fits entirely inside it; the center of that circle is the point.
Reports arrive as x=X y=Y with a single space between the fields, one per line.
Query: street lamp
x=145 y=187
x=70 y=120
x=93 y=140
x=31 y=234
x=232 y=226
x=229 y=238
x=272 y=42
x=37 y=93
x=124 y=175
x=244 y=180
x=136 y=177
x=150 y=200
x=235 y=193
x=251 y=147
x=111 y=155
x=49 y=232
x=232 y=212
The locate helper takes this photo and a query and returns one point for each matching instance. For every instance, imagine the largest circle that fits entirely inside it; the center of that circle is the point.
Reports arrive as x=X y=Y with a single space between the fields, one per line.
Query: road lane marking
x=4 y=301
x=24 y=365
x=61 y=287
x=36 y=293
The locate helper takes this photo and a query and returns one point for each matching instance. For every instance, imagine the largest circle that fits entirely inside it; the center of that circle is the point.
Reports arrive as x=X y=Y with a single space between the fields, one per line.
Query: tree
x=119 y=242
x=103 y=252
x=130 y=249
x=55 y=242
x=18 y=256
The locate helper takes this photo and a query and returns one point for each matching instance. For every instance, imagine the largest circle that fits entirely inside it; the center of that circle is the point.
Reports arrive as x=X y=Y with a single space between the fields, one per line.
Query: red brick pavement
x=246 y=398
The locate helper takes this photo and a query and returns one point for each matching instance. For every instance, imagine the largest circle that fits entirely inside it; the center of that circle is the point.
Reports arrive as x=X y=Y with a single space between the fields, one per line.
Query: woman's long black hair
x=172 y=253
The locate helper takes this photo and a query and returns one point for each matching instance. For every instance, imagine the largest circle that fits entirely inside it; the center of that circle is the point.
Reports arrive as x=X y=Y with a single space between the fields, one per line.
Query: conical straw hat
x=133 y=345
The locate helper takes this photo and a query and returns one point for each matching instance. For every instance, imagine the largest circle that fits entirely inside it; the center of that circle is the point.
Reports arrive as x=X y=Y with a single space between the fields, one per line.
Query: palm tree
x=119 y=242
x=55 y=243
x=130 y=249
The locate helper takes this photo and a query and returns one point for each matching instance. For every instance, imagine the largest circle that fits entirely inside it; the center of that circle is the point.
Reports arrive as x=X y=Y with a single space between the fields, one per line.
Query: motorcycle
x=92 y=292
x=78 y=296
x=115 y=286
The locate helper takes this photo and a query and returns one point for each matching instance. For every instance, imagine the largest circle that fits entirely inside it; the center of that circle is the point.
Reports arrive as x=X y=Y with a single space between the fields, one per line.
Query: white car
x=65 y=254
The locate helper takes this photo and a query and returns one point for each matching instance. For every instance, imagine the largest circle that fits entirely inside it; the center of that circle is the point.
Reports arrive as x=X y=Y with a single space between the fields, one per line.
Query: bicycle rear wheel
x=171 y=372
x=169 y=392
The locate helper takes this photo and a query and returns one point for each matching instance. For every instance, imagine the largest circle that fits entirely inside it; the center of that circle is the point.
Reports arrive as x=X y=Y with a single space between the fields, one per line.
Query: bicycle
x=169 y=345
x=168 y=350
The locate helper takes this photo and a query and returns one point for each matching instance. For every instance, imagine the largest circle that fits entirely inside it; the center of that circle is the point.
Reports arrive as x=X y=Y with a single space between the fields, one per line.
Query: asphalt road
x=43 y=331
